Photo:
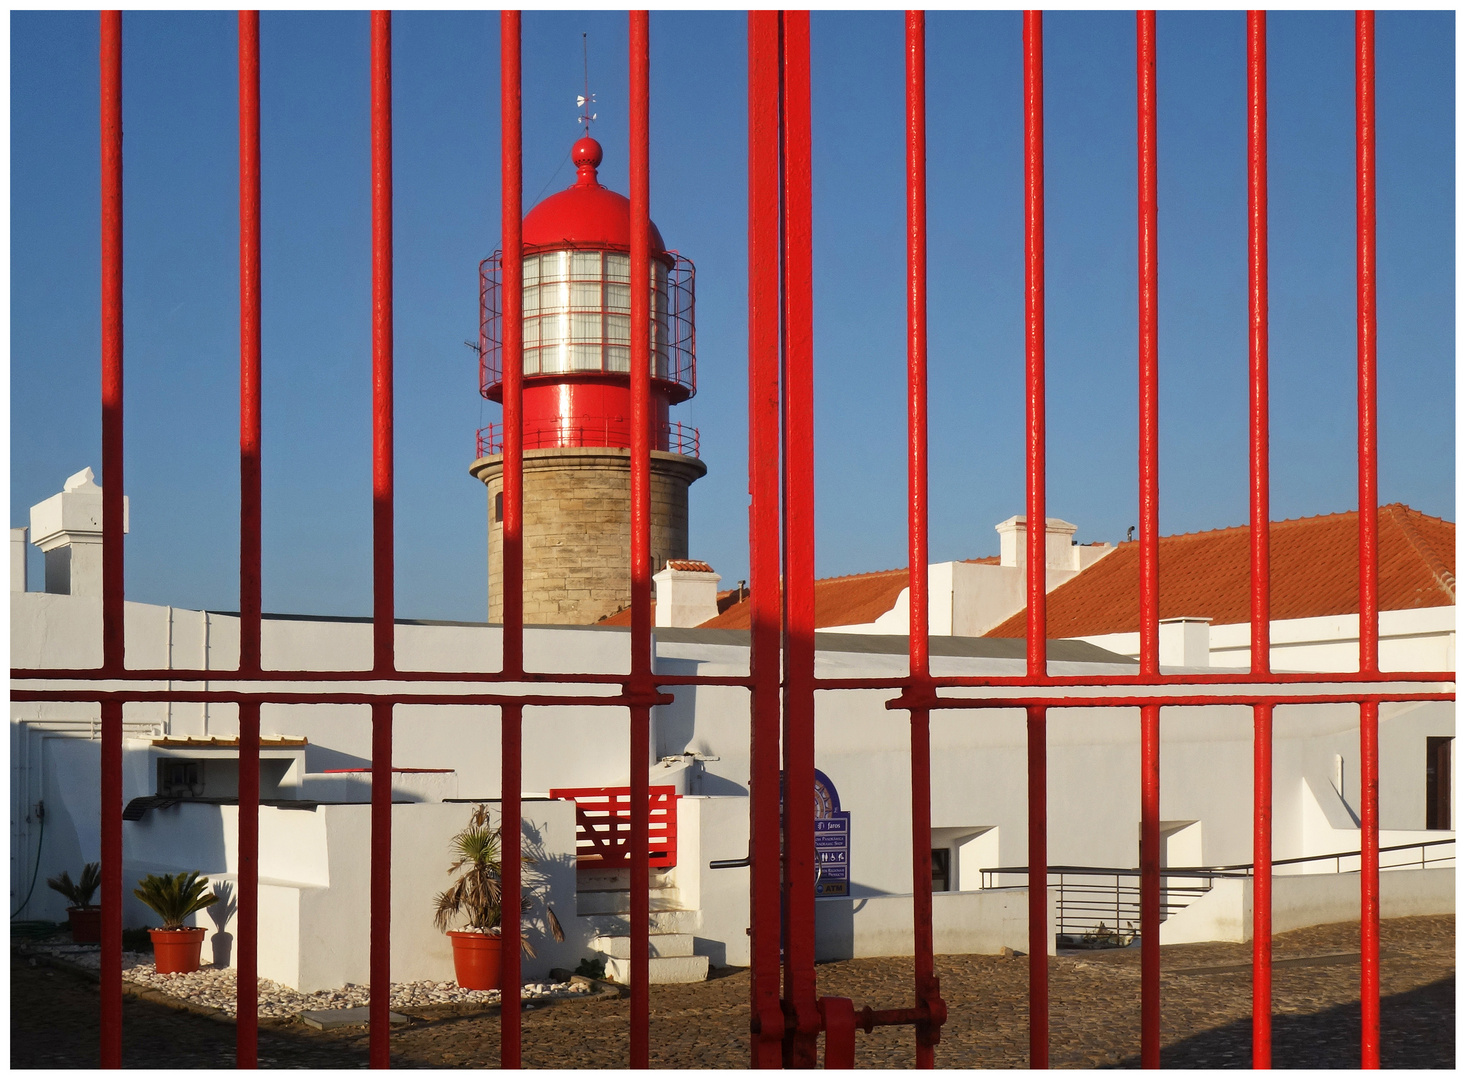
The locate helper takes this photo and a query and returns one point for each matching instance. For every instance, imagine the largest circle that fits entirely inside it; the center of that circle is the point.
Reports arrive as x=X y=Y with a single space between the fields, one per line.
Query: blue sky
x=182 y=277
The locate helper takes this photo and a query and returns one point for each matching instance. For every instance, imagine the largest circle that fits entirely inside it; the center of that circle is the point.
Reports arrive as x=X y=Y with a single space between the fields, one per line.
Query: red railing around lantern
x=672 y=437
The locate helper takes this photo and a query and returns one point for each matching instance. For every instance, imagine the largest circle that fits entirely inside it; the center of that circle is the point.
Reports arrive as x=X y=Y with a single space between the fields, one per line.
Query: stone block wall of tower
x=577 y=529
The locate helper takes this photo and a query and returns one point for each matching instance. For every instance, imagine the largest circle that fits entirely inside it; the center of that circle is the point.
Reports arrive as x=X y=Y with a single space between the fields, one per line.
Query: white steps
x=604 y=896
x=619 y=947
x=662 y=970
x=666 y=921
x=607 y=902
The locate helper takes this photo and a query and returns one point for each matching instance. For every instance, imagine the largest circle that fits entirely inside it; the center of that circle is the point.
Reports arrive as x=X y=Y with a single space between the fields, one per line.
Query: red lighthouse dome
x=577 y=322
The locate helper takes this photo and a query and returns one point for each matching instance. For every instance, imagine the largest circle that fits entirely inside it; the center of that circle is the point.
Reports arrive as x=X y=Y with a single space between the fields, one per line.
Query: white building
x=181 y=764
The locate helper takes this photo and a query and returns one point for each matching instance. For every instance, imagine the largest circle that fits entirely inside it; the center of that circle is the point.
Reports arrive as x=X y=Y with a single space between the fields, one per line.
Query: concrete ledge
x=985 y=921
x=1299 y=900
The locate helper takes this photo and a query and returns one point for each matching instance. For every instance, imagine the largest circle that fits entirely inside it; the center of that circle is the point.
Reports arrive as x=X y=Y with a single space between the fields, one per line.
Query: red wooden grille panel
x=603 y=825
x=786 y=1018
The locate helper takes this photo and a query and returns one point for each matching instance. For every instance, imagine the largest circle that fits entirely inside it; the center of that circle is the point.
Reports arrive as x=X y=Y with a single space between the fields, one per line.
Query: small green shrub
x=79 y=892
x=175 y=896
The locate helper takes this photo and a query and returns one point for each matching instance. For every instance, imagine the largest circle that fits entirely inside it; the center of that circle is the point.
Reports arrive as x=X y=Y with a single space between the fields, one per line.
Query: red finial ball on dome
x=586 y=153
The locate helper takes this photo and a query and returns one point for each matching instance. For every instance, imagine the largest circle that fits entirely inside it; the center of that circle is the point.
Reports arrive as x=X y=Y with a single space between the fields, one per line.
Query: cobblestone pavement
x=1205 y=993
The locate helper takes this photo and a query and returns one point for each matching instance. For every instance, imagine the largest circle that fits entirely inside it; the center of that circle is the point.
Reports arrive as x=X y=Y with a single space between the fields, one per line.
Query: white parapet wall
x=983 y=921
x=1299 y=900
x=315 y=870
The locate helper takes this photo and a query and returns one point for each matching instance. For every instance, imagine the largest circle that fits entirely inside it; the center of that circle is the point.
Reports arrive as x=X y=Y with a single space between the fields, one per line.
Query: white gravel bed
x=215 y=987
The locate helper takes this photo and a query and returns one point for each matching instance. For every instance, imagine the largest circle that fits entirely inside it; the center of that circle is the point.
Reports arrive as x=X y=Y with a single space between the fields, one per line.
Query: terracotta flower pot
x=86 y=925
x=476 y=959
x=176 y=952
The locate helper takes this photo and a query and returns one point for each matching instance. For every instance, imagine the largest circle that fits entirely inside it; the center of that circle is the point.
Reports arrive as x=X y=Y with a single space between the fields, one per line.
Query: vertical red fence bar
x=1150 y=589
x=1368 y=537
x=927 y=989
x=1033 y=302
x=110 y=70
x=246 y=994
x=766 y=1016
x=801 y=1039
x=641 y=534
x=383 y=622
x=511 y=717
x=1262 y=715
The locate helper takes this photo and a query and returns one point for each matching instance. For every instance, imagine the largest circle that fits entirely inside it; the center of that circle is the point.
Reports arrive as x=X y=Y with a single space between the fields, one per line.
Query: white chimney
x=68 y=528
x=1185 y=642
x=17 y=560
x=1058 y=544
x=687 y=593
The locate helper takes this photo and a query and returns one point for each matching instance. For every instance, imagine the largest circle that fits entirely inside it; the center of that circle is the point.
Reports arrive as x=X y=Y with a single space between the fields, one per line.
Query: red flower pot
x=86 y=925
x=176 y=952
x=476 y=959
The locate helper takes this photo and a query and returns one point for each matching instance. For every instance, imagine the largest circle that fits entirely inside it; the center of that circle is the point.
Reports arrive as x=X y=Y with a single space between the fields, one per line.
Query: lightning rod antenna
x=586 y=99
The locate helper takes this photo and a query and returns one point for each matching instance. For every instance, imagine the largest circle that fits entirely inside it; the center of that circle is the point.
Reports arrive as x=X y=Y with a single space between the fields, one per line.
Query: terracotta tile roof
x=838 y=601
x=689 y=564
x=1315 y=570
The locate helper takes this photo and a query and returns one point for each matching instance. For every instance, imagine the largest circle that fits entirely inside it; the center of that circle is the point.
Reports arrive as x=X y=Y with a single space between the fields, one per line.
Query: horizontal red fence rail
x=603 y=825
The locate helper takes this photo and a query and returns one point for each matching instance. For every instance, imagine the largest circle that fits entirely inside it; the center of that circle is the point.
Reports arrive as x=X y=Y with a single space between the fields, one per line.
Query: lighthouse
x=577 y=402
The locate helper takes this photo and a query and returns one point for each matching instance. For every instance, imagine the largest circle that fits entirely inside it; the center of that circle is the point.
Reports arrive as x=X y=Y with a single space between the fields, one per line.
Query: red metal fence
x=786 y=1015
x=603 y=825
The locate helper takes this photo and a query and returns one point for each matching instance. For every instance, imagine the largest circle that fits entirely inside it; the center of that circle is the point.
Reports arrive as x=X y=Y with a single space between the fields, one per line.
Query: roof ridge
x=1433 y=562
x=863 y=573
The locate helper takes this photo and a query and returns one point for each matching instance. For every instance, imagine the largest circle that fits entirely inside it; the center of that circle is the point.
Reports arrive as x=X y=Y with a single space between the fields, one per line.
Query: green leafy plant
x=175 y=896
x=477 y=894
x=79 y=892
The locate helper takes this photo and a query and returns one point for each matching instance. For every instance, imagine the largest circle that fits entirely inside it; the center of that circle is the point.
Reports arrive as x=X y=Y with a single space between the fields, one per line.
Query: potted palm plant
x=476 y=896
x=174 y=897
x=84 y=916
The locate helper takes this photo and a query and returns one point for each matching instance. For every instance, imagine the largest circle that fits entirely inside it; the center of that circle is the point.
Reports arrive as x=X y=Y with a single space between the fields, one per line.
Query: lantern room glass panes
x=577 y=313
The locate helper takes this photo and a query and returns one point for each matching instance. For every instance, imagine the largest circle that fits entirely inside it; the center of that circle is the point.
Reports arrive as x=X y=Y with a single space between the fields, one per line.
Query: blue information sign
x=831 y=839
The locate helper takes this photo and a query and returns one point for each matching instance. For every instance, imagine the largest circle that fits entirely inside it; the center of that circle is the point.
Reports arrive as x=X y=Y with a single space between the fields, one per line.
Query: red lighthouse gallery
x=577 y=402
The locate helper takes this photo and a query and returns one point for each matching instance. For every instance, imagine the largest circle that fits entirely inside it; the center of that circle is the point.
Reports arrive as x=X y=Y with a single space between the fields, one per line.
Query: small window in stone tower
x=499 y=507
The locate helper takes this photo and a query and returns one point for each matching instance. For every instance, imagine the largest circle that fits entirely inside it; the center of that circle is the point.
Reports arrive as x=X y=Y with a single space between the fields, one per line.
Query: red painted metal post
x=1262 y=715
x=1369 y=884
x=1038 y=875
x=767 y=1019
x=1150 y=590
x=249 y=342
x=511 y=224
x=802 y=1012
x=1033 y=182
x=511 y=749
x=247 y=920
x=383 y=623
x=641 y=534
x=110 y=64
x=1038 y=890
x=1368 y=536
x=511 y=717
x=1262 y=886
x=929 y=1003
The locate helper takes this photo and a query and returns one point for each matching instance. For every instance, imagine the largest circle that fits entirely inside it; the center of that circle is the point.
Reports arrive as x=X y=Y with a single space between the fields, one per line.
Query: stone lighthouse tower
x=577 y=402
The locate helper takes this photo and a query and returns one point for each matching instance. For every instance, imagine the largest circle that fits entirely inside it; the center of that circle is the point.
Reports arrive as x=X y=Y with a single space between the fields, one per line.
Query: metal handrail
x=1081 y=903
x=1213 y=871
x=672 y=436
